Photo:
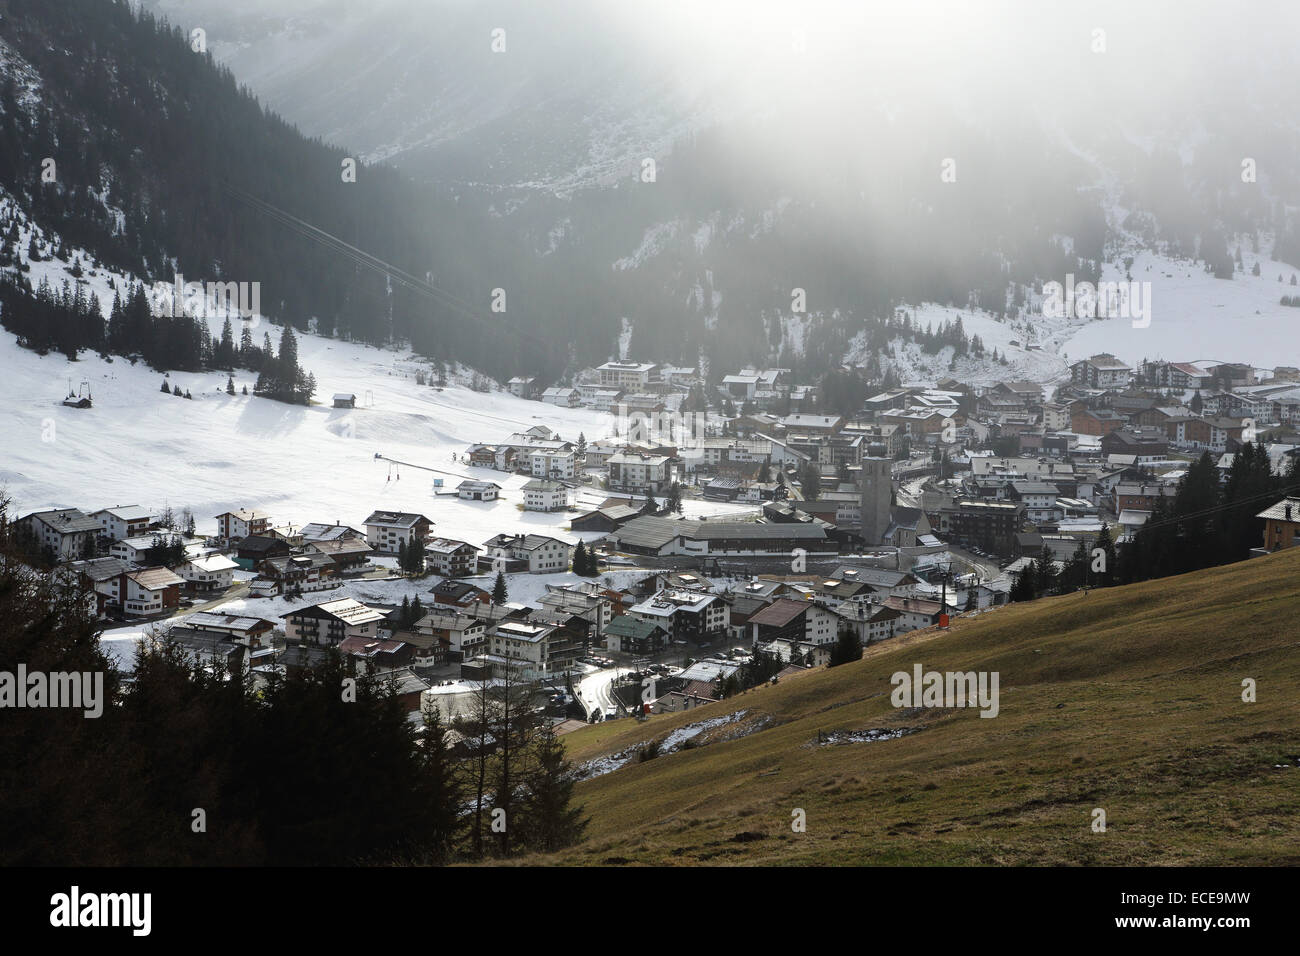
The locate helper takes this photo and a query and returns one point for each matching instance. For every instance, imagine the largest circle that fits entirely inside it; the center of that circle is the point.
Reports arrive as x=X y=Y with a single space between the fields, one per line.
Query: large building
x=628 y=375
x=638 y=473
x=235 y=525
x=387 y=531
x=67 y=533
x=666 y=536
x=1100 y=371
x=331 y=623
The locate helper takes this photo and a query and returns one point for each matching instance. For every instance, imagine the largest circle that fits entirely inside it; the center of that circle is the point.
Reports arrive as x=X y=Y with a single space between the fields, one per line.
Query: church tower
x=877 y=495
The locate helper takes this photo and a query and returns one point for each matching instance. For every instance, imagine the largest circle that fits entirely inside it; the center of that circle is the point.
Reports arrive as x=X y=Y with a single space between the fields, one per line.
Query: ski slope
x=219 y=452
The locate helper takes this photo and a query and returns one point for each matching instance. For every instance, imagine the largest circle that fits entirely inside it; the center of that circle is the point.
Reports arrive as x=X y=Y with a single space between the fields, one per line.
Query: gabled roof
x=317 y=531
x=347 y=610
x=155 y=579
x=627 y=626
x=780 y=612
x=397 y=519
x=212 y=563
x=126 y=513
x=1279 y=511
x=447 y=546
x=66 y=520
x=99 y=569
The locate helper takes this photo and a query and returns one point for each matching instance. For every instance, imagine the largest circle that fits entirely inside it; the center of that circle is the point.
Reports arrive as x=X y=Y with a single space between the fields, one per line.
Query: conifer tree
x=550 y=822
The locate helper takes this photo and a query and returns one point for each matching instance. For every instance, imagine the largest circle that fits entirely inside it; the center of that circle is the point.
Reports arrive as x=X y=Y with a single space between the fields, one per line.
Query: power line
x=368 y=261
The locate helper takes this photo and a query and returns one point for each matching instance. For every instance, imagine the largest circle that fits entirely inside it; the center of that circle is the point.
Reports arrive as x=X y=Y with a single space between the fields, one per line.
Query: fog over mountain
x=657 y=181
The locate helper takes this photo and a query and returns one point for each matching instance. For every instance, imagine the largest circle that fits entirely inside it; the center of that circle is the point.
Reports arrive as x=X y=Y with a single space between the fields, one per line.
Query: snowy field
x=220 y=452
x=1195 y=316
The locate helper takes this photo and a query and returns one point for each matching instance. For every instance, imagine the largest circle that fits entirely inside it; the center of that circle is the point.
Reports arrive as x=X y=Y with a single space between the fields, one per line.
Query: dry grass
x=1127 y=699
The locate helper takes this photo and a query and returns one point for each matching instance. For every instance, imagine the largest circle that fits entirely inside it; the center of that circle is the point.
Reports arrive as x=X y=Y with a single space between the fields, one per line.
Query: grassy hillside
x=1128 y=699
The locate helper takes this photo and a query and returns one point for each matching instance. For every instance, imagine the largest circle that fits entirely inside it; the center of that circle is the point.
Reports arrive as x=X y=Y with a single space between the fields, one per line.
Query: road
x=987 y=568
x=594 y=690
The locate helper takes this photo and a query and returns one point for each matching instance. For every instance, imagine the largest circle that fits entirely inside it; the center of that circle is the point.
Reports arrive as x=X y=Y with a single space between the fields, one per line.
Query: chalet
x=685 y=615
x=256 y=548
x=209 y=572
x=1225 y=433
x=102 y=578
x=538 y=553
x=798 y=654
x=472 y=490
x=406 y=687
x=834 y=592
x=329 y=532
x=881 y=580
x=386 y=531
x=288 y=534
x=235 y=525
x=1101 y=371
x=464 y=634
x=374 y=655
x=626 y=634
x=531 y=649
x=449 y=557
x=743 y=607
x=66 y=533
x=1178 y=375
x=332 y=623
x=303 y=572
x=794 y=620
x=345 y=400
x=522 y=386
x=142 y=550
x=459 y=595
x=600 y=451
x=482 y=456
x=1027 y=393
x=123 y=521
x=251 y=632
x=346 y=554
x=598 y=398
x=541 y=494
x=150 y=591
x=1281 y=524
x=604 y=519
x=639 y=473
x=914 y=612
x=563 y=397
x=870 y=622
x=1146 y=443
x=642 y=410
x=1038 y=497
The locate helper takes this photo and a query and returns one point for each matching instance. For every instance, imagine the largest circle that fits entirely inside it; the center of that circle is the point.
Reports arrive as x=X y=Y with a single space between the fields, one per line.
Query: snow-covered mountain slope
x=557 y=105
